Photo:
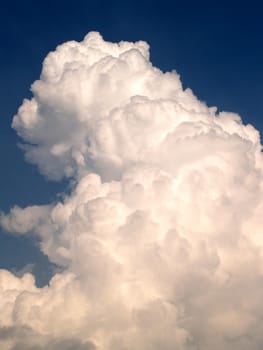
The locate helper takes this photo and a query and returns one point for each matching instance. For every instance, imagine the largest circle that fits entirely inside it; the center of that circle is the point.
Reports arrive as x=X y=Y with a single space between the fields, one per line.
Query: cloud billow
x=160 y=240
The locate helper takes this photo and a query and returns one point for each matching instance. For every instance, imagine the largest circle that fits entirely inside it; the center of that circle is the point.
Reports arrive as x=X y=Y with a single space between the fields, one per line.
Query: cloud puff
x=160 y=240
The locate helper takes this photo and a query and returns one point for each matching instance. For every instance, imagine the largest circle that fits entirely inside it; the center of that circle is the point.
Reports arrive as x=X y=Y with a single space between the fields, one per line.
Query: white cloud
x=160 y=240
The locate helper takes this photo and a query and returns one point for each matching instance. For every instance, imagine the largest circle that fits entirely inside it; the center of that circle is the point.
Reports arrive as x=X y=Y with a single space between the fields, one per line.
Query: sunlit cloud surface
x=159 y=244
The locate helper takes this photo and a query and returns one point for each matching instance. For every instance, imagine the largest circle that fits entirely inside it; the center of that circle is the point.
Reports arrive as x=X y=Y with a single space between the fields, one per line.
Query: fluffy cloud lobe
x=160 y=242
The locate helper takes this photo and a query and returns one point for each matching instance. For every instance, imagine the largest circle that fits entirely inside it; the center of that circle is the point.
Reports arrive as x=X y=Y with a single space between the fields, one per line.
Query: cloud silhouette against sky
x=159 y=243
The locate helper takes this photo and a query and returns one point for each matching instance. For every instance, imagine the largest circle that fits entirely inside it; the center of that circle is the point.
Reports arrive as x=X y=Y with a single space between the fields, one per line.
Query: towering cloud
x=160 y=242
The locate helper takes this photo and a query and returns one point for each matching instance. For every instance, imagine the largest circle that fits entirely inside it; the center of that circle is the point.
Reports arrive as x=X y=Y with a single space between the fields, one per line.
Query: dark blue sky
x=216 y=47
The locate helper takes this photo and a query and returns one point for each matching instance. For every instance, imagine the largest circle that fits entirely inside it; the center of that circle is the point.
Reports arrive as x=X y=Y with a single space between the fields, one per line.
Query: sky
x=215 y=48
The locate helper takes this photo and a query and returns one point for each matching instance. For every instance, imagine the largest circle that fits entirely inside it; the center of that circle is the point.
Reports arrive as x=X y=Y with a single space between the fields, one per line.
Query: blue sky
x=216 y=47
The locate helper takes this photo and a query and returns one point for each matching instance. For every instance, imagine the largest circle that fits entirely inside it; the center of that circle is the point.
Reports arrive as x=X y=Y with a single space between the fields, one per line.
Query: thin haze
x=159 y=244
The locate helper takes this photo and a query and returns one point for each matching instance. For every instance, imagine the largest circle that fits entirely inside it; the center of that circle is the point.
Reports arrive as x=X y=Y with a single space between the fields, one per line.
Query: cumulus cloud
x=160 y=241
